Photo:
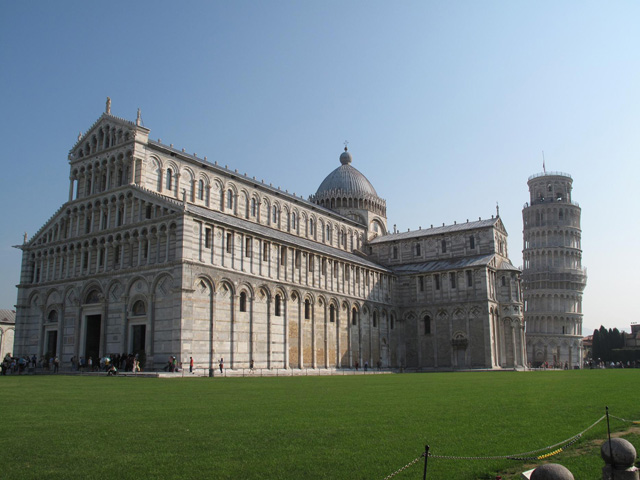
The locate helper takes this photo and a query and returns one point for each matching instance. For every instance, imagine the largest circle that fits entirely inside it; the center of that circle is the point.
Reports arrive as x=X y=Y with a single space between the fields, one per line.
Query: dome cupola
x=345 y=180
x=348 y=192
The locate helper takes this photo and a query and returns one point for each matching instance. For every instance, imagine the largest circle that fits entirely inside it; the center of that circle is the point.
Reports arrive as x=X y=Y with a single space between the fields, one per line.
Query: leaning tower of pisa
x=553 y=277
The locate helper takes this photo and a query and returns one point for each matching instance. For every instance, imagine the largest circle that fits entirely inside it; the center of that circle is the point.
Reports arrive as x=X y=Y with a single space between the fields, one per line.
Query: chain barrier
x=525 y=456
x=637 y=422
x=413 y=462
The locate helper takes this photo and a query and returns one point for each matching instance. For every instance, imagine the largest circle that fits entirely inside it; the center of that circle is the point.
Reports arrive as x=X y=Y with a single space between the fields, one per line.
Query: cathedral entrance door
x=92 y=338
x=460 y=352
x=138 y=336
x=52 y=343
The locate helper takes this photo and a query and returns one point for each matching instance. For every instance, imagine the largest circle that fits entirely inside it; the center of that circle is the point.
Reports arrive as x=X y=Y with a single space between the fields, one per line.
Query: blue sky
x=447 y=107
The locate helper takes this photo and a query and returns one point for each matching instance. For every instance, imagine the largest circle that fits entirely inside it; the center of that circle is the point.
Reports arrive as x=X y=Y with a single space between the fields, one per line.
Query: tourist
x=251 y=365
x=221 y=364
x=190 y=364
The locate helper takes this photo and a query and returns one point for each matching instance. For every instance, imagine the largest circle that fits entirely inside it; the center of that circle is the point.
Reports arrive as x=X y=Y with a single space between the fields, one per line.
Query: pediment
x=107 y=132
x=500 y=226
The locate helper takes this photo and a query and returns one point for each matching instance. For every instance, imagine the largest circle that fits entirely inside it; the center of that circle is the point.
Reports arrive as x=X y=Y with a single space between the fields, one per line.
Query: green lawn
x=351 y=427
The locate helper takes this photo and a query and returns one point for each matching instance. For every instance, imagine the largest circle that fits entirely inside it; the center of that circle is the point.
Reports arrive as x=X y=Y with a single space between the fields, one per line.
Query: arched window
x=375 y=319
x=443 y=245
x=332 y=313
x=427 y=324
x=392 y=323
x=311 y=226
x=293 y=220
x=417 y=249
x=243 y=302
x=253 y=207
x=278 y=306
x=274 y=215
x=200 y=190
x=307 y=309
x=53 y=316
x=169 y=179
x=354 y=316
x=139 y=308
x=230 y=199
x=472 y=242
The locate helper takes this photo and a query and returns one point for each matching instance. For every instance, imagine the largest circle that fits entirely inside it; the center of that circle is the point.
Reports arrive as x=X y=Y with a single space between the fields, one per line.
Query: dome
x=346 y=180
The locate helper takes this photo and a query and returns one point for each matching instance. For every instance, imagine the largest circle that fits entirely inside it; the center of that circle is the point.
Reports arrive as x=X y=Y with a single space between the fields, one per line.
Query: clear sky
x=447 y=107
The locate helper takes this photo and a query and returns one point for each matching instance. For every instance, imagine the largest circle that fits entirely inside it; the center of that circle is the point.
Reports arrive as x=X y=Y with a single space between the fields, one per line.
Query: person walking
x=190 y=364
x=221 y=364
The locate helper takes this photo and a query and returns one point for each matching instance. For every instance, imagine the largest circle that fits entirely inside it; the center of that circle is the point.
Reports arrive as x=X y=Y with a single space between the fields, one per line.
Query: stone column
x=71 y=188
x=125 y=321
x=338 y=356
x=419 y=342
x=513 y=340
x=269 y=360
x=300 y=335
x=349 y=328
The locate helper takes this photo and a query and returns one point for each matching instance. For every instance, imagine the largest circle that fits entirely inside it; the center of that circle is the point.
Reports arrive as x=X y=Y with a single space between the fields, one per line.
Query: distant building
x=7 y=331
x=587 y=347
x=161 y=252
x=632 y=340
x=553 y=277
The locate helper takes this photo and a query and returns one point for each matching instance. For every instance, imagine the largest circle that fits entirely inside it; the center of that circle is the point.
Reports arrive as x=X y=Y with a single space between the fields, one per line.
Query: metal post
x=426 y=457
x=613 y=466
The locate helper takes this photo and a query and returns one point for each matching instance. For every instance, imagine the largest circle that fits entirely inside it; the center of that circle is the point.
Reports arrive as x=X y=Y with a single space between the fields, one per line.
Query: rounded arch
x=264 y=292
x=226 y=287
x=139 y=283
x=202 y=279
x=296 y=296
x=115 y=289
x=92 y=293
x=282 y=291
x=52 y=296
x=138 y=306
x=246 y=286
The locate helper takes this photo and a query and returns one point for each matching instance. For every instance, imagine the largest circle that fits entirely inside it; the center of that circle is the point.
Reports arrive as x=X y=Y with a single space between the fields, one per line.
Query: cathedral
x=162 y=253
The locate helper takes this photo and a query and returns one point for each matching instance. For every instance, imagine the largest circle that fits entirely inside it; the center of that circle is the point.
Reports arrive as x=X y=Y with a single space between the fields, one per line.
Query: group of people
x=20 y=365
x=173 y=365
x=603 y=364
x=366 y=365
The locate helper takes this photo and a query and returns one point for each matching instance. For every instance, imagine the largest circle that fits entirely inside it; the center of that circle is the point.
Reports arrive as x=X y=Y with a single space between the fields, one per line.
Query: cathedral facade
x=160 y=253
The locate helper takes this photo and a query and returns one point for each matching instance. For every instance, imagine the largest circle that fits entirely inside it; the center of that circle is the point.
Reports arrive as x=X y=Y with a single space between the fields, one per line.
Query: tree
x=605 y=341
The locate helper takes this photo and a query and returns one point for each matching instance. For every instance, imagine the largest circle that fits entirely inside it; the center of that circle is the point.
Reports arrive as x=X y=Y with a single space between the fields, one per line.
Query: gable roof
x=445 y=264
x=7 y=316
x=445 y=229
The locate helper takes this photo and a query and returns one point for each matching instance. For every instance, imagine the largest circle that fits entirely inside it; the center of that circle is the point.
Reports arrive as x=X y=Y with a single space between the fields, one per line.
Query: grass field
x=352 y=427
